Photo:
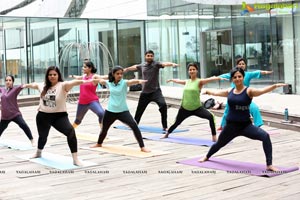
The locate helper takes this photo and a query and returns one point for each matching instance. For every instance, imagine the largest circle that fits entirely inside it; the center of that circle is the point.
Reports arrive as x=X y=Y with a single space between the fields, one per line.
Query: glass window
x=42 y=48
x=297 y=47
x=103 y=44
x=13 y=55
x=73 y=38
x=130 y=43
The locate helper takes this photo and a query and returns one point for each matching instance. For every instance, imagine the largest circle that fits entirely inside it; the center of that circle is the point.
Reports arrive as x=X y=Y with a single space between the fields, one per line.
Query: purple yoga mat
x=237 y=167
x=181 y=140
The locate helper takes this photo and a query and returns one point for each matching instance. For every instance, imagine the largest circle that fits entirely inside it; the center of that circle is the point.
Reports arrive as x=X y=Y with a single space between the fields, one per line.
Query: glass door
x=217 y=54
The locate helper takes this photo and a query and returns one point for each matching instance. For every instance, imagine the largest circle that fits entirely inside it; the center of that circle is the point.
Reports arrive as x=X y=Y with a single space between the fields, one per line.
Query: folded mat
x=232 y=166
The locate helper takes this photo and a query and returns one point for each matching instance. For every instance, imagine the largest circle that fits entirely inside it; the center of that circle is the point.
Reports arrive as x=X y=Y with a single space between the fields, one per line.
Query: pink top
x=87 y=91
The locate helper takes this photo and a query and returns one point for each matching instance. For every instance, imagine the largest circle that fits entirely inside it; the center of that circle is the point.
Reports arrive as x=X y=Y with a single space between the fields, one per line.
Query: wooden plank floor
x=123 y=177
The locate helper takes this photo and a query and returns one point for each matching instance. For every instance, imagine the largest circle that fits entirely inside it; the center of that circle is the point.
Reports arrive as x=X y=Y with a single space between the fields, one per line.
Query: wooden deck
x=123 y=177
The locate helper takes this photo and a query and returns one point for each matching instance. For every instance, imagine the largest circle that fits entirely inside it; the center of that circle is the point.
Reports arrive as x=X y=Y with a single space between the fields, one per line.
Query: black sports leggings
x=18 y=120
x=125 y=117
x=145 y=99
x=247 y=129
x=200 y=112
x=60 y=122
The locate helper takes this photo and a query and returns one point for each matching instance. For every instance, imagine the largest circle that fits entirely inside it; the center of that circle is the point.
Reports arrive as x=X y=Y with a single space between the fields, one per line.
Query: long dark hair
x=47 y=82
x=91 y=65
x=111 y=78
x=236 y=69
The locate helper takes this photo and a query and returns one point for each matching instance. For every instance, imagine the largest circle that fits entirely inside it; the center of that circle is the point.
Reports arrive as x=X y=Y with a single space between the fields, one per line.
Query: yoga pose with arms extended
x=10 y=109
x=191 y=104
x=88 y=99
x=254 y=110
x=117 y=108
x=52 y=110
x=238 y=118
x=151 y=91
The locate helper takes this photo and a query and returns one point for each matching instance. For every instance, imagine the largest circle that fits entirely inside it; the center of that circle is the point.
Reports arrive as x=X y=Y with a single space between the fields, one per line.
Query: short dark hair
x=149 y=52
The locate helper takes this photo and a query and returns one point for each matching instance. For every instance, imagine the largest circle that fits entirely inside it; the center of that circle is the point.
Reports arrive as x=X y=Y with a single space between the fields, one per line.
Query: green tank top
x=191 y=95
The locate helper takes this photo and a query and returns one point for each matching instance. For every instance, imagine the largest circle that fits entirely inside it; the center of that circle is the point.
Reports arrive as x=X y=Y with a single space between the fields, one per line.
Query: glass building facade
x=214 y=36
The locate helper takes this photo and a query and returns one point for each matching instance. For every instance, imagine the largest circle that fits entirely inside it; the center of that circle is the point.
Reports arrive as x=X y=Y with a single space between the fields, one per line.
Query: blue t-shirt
x=117 y=97
x=247 y=78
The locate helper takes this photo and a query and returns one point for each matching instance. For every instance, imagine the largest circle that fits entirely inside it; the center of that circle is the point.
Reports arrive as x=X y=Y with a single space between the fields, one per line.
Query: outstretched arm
x=75 y=77
x=221 y=93
x=135 y=81
x=178 y=81
x=254 y=92
x=211 y=79
x=31 y=85
x=169 y=64
x=131 y=68
x=265 y=72
x=70 y=84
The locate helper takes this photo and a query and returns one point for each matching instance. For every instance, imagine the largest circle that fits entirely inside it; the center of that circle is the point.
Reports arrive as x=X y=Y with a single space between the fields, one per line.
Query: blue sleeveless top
x=238 y=106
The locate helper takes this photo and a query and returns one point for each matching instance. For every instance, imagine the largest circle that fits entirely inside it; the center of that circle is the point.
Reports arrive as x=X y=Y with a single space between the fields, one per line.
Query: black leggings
x=18 y=120
x=125 y=117
x=145 y=99
x=200 y=112
x=60 y=122
x=247 y=129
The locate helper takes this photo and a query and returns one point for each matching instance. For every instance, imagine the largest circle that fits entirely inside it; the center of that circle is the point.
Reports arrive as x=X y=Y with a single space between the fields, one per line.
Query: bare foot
x=165 y=130
x=203 y=160
x=37 y=154
x=271 y=168
x=165 y=136
x=96 y=145
x=77 y=163
x=214 y=138
x=143 y=149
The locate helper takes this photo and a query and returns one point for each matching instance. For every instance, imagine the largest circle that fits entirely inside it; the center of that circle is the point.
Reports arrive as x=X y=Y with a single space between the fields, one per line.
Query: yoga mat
x=13 y=144
x=94 y=138
x=56 y=161
x=150 y=129
x=182 y=140
x=127 y=151
x=234 y=167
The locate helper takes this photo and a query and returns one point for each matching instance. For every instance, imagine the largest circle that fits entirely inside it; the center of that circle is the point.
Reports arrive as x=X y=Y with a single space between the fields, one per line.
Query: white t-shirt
x=54 y=100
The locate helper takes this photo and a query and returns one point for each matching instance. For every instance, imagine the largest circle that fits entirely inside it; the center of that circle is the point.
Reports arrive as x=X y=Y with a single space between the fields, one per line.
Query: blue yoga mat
x=150 y=129
x=16 y=144
x=56 y=161
x=182 y=140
